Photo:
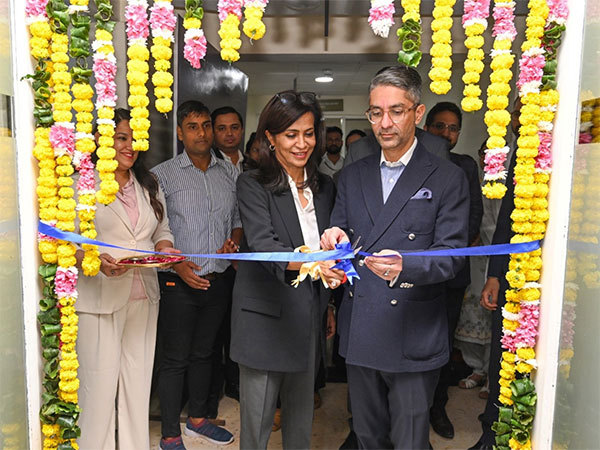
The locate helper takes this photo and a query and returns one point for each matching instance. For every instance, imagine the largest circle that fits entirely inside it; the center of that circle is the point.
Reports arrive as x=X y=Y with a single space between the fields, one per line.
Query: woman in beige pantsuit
x=118 y=308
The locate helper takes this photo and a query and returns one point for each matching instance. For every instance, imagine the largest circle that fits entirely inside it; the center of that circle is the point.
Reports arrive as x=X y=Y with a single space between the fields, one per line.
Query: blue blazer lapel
x=416 y=172
x=370 y=183
x=284 y=203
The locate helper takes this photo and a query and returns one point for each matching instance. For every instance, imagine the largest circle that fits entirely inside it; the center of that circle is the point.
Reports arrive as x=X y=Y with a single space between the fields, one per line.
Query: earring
x=271 y=147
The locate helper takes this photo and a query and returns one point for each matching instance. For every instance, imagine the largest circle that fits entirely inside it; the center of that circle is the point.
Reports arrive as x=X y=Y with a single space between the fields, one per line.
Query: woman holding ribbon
x=118 y=308
x=277 y=330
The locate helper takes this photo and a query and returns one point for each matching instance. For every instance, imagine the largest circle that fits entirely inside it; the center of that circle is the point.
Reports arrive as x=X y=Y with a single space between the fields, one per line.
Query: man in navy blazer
x=392 y=322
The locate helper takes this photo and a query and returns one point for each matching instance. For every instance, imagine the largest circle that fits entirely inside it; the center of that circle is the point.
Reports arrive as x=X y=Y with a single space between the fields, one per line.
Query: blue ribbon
x=343 y=251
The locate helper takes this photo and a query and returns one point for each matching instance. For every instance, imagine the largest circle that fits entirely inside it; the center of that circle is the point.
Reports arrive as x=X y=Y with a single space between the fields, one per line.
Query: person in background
x=332 y=161
x=353 y=136
x=278 y=335
x=118 y=308
x=392 y=323
x=493 y=294
x=252 y=153
x=228 y=130
x=445 y=120
x=202 y=208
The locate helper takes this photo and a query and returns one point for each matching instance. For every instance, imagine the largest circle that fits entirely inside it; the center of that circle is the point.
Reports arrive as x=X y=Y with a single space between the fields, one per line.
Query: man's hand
x=489 y=294
x=387 y=267
x=185 y=270
x=229 y=247
x=108 y=266
x=333 y=277
x=332 y=236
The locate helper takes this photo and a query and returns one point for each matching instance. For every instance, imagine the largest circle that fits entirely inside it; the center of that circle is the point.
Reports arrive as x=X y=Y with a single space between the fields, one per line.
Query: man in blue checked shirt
x=202 y=208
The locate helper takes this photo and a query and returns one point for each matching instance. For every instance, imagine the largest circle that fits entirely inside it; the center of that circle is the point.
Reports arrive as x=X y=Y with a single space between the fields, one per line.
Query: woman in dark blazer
x=277 y=330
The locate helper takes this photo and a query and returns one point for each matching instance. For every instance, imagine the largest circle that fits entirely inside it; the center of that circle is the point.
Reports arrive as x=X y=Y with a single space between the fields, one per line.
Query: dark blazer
x=368 y=145
x=271 y=320
x=403 y=328
x=469 y=166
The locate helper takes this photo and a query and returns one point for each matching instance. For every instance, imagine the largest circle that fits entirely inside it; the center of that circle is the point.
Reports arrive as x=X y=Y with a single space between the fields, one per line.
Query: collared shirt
x=201 y=206
x=128 y=199
x=330 y=168
x=306 y=215
x=391 y=171
x=239 y=163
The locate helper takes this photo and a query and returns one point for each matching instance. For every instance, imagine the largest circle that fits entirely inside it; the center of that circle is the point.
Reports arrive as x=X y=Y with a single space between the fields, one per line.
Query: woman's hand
x=333 y=277
x=330 y=332
x=108 y=266
x=387 y=268
x=170 y=250
x=332 y=236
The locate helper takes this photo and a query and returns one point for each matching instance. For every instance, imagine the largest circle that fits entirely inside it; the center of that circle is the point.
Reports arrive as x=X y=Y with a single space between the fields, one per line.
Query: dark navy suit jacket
x=403 y=328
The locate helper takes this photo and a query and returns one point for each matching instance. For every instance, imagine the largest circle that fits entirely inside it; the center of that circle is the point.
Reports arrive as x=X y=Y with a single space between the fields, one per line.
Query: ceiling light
x=325 y=77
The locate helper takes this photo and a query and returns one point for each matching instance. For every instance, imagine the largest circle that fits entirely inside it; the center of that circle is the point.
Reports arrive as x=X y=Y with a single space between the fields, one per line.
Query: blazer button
x=350 y=294
x=351 y=230
x=411 y=237
x=393 y=302
x=361 y=262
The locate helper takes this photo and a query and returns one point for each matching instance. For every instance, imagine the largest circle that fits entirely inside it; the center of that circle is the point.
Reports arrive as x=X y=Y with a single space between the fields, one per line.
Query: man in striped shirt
x=203 y=215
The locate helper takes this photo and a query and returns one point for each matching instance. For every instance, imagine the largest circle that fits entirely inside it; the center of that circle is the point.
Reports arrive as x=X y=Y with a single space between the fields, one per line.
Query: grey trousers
x=391 y=410
x=259 y=390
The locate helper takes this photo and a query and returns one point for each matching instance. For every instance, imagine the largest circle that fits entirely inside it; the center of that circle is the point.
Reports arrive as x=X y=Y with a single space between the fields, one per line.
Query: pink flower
x=476 y=10
x=543 y=159
x=585 y=138
x=105 y=72
x=504 y=21
x=137 y=22
x=86 y=173
x=226 y=7
x=531 y=69
x=62 y=137
x=194 y=50
x=385 y=12
x=558 y=8
x=162 y=18
x=65 y=283
x=36 y=8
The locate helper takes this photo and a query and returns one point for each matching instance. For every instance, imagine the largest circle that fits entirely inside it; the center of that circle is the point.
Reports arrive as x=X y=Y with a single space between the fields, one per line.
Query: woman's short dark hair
x=278 y=115
x=146 y=178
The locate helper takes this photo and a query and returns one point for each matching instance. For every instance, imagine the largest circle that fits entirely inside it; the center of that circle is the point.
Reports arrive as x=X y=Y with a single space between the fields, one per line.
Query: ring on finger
x=334 y=283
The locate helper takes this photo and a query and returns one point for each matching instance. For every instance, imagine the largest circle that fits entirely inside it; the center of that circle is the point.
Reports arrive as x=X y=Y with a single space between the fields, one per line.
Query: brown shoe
x=276 y=420
x=317 y=400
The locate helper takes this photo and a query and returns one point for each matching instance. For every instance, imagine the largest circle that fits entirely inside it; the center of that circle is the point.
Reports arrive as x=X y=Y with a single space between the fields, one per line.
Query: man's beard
x=334 y=149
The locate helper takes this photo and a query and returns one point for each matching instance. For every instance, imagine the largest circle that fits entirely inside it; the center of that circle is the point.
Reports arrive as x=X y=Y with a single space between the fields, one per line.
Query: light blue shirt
x=391 y=171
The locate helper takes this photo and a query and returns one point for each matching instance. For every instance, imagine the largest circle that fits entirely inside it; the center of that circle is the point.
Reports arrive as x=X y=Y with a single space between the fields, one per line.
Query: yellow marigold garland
x=474 y=21
x=137 y=71
x=162 y=21
x=230 y=13
x=253 y=26
x=497 y=117
x=441 y=50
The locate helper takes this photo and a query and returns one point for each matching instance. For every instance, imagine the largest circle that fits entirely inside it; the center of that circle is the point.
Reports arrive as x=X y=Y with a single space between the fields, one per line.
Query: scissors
x=355 y=247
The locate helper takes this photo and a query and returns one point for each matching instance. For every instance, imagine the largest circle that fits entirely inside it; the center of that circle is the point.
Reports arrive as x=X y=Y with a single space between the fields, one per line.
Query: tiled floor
x=330 y=425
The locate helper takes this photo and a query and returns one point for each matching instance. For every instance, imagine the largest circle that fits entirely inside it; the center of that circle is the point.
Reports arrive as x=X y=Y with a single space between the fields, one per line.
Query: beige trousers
x=116 y=354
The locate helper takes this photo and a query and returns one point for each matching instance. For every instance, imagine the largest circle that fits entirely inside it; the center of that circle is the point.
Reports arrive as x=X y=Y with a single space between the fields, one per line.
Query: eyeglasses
x=440 y=126
x=306 y=98
x=375 y=115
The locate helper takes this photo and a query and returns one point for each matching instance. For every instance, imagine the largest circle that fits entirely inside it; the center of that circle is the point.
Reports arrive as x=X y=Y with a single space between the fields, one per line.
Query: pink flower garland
x=36 y=8
x=65 y=283
x=105 y=70
x=381 y=16
x=137 y=20
x=86 y=182
x=226 y=7
x=476 y=12
x=195 y=47
x=163 y=20
x=504 y=21
x=62 y=138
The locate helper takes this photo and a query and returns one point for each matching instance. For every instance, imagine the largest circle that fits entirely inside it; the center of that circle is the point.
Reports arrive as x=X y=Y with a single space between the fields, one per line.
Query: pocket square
x=422 y=194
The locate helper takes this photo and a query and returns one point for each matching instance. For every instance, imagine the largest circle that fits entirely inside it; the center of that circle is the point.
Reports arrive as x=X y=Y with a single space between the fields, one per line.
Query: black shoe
x=441 y=423
x=351 y=442
x=481 y=446
x=232 y=390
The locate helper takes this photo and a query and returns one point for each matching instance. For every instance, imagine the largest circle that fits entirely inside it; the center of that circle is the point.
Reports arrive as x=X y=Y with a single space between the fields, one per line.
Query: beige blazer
x=105 y=295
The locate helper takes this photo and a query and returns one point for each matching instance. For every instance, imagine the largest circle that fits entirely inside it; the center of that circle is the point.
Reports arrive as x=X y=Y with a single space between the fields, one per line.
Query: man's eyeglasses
x=375 y=115
x=306 y=98
x=440 y=126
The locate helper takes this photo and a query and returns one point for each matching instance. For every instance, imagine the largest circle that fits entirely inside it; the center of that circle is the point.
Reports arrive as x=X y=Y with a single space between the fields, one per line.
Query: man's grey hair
x=402 y=77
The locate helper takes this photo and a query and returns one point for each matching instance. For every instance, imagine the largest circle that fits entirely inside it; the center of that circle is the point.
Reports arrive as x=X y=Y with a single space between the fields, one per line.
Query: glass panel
x=578 y=395
x=13 y=418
